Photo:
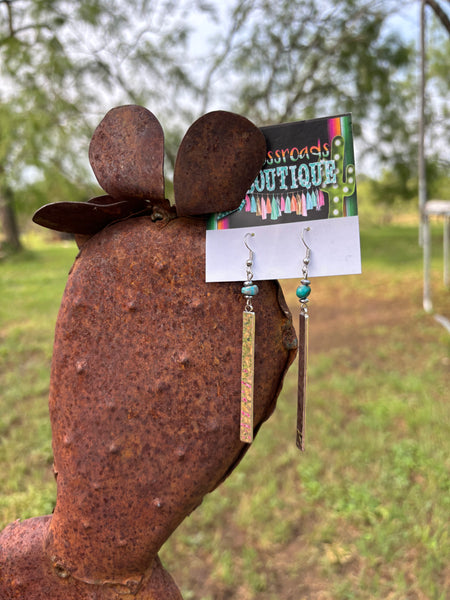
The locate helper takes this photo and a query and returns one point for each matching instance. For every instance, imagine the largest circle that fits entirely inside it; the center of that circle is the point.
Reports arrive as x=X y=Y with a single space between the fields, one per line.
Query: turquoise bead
x=250 y=290
x=303 y=291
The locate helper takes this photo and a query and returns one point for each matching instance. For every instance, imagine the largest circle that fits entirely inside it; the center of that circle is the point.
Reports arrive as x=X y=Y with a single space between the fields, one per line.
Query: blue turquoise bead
x=303 y=291
x=250 y=290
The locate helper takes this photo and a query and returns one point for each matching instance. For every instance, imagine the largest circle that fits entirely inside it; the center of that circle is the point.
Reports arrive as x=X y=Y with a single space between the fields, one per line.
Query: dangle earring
x=302 y=292
x=249 y=290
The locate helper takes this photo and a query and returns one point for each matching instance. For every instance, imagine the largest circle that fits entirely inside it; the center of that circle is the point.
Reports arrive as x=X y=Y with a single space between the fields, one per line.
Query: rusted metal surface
x=127 y=154
x=144 y=406
x=217 y=161
x=88 y=218
x=145 y=392
x=26 y=573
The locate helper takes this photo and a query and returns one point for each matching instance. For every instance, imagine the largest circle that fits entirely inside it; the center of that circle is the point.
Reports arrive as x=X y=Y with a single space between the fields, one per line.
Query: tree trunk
x=441 y=14
x=8 y=221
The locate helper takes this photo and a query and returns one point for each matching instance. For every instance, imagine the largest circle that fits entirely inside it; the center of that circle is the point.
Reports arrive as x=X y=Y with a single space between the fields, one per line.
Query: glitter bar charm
x=247 y=376
x=302 y=368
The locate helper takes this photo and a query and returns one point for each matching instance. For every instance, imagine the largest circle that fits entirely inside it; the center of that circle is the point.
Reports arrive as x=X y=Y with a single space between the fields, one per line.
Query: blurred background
x=364 y=512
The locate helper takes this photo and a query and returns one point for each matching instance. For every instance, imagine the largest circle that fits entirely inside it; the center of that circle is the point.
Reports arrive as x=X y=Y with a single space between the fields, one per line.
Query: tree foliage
x=304 y=59
x=292 y=61
x=437 y=91
x=64 y=64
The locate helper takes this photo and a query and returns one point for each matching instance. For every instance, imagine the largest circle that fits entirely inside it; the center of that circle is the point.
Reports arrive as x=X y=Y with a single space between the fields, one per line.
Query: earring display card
x=308 y=179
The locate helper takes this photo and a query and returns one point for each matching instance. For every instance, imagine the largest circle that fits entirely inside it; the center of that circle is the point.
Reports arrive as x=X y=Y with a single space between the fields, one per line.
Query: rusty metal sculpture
x=145 y=378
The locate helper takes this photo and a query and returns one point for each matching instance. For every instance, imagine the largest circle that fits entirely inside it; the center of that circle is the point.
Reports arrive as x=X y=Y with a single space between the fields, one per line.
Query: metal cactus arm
x=144 y=389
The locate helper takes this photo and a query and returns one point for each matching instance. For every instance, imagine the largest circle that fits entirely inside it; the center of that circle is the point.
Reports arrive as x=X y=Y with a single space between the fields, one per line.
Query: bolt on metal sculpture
x=145 y=377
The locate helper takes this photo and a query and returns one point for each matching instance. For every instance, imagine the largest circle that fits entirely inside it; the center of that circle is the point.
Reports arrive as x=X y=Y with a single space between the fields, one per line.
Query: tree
x=304 y=59
x=300 y=60
x=440 y=13
x=437 y=87
x=64 y=64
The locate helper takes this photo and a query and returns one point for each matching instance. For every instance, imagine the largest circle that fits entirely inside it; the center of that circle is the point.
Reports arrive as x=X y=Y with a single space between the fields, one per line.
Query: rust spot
x=80 y=366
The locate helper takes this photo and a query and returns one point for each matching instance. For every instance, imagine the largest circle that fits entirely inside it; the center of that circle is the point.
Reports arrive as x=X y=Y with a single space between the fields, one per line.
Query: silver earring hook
x=308 y=249
x=247 y=246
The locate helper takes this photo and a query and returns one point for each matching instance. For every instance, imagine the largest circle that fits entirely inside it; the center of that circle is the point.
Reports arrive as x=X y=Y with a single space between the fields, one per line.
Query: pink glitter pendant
x=247 y=376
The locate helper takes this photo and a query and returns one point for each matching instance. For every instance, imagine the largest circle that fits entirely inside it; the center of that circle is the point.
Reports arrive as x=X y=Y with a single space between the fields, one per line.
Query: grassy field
x=362 y=514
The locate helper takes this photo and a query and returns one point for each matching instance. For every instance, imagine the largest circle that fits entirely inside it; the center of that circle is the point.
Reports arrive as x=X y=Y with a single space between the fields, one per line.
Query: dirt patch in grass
x=342 y=317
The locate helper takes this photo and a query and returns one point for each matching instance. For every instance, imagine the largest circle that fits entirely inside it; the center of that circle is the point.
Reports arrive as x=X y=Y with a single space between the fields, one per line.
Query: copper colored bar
x=302 y=375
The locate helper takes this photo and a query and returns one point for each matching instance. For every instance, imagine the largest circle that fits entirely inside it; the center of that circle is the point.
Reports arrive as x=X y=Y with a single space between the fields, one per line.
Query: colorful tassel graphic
x=287 y=207
x=301 y=206
x=263 y=209
x=294 y=203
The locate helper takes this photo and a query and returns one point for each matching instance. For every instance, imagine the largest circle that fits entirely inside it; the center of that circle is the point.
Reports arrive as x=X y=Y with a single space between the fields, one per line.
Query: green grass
x=31 y=285
x=363 y=514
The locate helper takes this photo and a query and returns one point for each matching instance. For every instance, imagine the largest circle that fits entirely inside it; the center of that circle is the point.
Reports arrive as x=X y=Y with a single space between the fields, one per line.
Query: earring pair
x=249 y=290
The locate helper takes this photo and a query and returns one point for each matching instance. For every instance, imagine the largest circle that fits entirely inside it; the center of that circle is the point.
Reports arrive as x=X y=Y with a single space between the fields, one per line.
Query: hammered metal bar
x=247 y=376
x=302 y=369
